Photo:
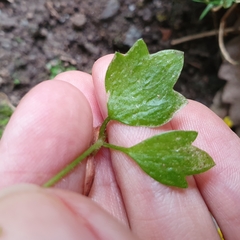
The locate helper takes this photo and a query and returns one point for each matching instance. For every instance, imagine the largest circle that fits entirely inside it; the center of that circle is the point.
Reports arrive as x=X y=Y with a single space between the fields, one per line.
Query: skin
x=54 y=123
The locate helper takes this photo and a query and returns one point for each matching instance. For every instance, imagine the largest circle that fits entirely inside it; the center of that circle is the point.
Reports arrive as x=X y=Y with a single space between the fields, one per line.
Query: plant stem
x=98 y=144
x=102 y=131
x=122 y=149
x=91 y=150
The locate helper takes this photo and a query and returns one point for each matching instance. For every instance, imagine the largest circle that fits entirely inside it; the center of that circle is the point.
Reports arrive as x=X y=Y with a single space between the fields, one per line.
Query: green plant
x=215 y=3
x=56 y=67
x=140 y=89
x=16 y=81
x=5 y=114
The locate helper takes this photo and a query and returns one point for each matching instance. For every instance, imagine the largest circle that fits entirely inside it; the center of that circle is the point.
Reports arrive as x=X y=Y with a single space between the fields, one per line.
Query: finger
x=99 y=71
x=104 y=190
x=50 y=128
x=29 y=212
x=219 y=186
x=154 y=211
x=84 y=83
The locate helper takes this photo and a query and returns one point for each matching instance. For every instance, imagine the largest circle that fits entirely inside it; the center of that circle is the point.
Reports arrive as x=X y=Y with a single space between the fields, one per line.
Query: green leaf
x=140 y=86
x=170 y=157
x=227 y=3
x=5 y=114
x=205 y=11
x=214 y=3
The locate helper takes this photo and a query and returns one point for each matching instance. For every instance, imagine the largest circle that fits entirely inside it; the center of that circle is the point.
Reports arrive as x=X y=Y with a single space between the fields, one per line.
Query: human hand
x=53 y=125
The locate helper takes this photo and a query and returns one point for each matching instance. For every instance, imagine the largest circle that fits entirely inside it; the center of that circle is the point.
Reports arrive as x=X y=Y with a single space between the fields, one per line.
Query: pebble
x=6 y=43
x=91 y=48
x=32 y=28
x=132 y=7
x=78 y=20
x=234 y=113
x=132 y=35
x=43 y=32
x=110 y=10
x=147 y=15
x=231 y=93
x=7 y=23
x=4 y=73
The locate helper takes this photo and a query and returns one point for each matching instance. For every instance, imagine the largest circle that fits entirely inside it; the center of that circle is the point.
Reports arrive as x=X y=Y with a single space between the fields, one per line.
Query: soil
x=35 y=35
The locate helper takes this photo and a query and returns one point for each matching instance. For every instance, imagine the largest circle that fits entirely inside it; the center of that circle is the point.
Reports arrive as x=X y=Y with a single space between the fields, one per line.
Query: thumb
x=30 y=212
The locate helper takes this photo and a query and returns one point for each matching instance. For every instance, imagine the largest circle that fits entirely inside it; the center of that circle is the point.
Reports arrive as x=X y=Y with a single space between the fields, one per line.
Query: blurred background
x=41 y=38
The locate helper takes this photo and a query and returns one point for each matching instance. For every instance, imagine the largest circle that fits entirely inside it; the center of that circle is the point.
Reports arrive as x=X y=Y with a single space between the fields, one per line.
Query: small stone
x=78 y=20
x=91 y=48
x=4 y=73
x=234 y=113
x=132 y=7
x=147 y=15
x=33 y=28
x=111 y=9
x=229 y=72
x=30 y=15
x=7 y=23
x=24 y=22
x=40 y=33
x=218 y=106
x=43 y=32
x=231 y=92
x=132 y=35
x=6 y=43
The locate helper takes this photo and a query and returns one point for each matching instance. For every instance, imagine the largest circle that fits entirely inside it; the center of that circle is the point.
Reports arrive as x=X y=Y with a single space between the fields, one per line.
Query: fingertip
x=198 y=117
x=214 y=137
x=30 y=212
x=73 y=76
x=83 y=81
x=219 y=186
x=98 y=72
x=103 y=63
x=51 y=126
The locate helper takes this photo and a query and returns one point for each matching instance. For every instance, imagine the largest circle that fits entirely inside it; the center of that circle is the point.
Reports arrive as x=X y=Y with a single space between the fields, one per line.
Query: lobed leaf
x=170 y=157
x=140 y=86
x=228 y=3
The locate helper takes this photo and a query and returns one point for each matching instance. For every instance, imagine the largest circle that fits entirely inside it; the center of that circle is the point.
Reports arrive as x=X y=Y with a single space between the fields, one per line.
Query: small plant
x=140 y=89
x=16 y=82
x=56 y=67
x=211 y=4
x=5 y=114
x=6 y=111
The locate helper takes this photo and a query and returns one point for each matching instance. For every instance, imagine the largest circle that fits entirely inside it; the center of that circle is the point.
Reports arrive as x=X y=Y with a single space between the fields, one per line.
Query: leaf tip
x=138 y=48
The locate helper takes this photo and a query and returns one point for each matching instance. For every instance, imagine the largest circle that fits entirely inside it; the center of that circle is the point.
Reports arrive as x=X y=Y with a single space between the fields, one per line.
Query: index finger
x=52 y=126
x=219 y=187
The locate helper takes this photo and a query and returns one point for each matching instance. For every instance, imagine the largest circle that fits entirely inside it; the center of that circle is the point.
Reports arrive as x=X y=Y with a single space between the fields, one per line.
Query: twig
x=5 y=100
x=221 y=36
x=202 y=35
x=52 y=10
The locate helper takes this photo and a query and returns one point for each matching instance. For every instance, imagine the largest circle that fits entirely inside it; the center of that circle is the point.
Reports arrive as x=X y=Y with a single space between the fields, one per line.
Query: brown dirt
x=36 y=34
